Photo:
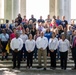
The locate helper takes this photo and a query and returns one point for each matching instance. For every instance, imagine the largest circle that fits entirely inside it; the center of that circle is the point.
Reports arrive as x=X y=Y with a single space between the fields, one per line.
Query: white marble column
x=8 y=9
x=67 y=9
x=1 y=9
x=15 y=8
x=63 y=8
x=59 y=8
x=23 y=7
x=52 y=7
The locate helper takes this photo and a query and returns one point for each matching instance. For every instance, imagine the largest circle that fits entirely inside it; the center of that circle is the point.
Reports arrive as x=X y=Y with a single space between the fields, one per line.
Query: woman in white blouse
x=24 y=37
x=53 y=45
x=63 y=48
x=30 y=45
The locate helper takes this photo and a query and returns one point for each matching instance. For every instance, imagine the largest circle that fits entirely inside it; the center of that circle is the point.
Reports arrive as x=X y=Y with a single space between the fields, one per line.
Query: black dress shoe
x=39 y=67
x=61 y=67
x=13 y=67
x=64 y=68
x=7 y=59
x=44 y=69
x=2 y=59
x=18 y=68
x=53 y=68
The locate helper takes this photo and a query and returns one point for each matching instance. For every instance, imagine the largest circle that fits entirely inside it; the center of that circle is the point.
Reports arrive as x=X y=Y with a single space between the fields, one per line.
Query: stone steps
x=36 y=61
x=34 y=65
x=8 y=64
x=11 y=54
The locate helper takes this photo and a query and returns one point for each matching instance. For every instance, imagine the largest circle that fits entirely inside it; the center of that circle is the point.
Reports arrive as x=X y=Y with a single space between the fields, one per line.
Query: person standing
x=48 y=20
x=16 y=45
x=24 y=20
x=64 y=46
x=58 y=21
x=30 y=45
x=64 y=22
x=18 y=19
x=35 y=38
x=42 y=43
x=41 y=20
x=12 y=25
x=4 y=37
x=53 y=45
x=33 y=19
x=13 y=34
x=24 y=37
x=48 y=35
x=74 y=49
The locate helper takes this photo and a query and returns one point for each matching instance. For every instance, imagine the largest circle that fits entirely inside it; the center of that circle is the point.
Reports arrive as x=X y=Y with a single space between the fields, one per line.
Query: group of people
x=27 y=38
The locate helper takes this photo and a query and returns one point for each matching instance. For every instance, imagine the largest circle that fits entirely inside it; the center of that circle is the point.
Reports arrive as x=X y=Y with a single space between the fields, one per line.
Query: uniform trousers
x=29 y=59
x=44 y=54
x=53 y=58
x=16 y=57
x=74 y=55
x=63 y=58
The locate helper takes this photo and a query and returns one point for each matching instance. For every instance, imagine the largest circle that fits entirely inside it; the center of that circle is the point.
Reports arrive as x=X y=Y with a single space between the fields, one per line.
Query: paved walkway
x=36 y=72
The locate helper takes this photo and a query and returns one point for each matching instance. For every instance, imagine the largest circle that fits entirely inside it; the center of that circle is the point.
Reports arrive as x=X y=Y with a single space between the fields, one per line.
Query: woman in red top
x=53 y=23
x=24 y=20
x=13 y=35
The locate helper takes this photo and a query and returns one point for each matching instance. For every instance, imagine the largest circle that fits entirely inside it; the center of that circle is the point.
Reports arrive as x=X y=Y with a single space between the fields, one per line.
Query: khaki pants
x=44 y=54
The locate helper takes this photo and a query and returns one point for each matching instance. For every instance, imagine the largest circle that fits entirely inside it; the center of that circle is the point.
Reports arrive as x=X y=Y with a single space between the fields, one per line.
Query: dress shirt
x=42 y=42
x=16 y=43
x=53 y=44
x=24 y=37
x=64 y=45
x=4 y=37
x=30 y=45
